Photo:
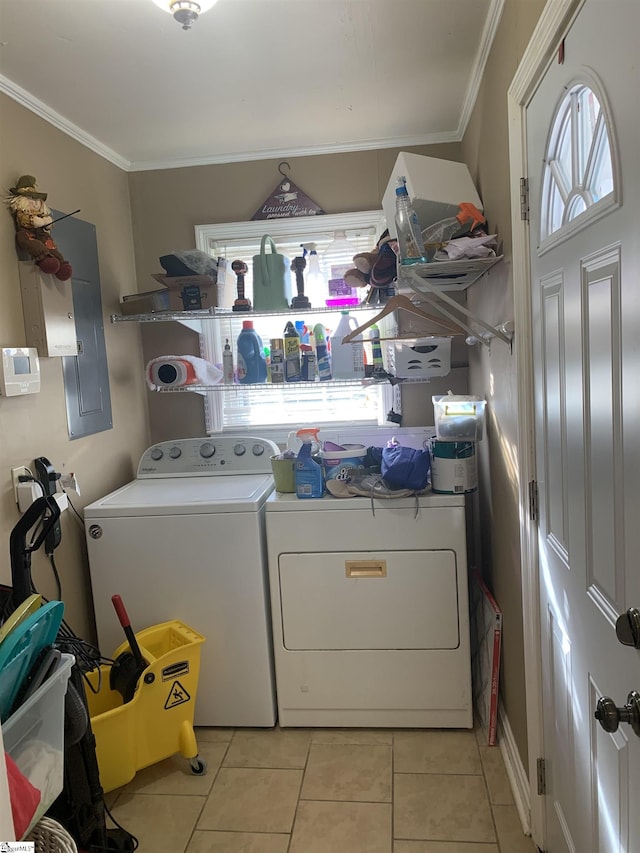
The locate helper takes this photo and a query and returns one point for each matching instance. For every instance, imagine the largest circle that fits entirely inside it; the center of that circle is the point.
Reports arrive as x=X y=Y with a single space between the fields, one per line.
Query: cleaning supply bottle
x=323 y=357
x=410 y=242
x=347 y=360
x=466 y=219
x=308 y=473
x=376 y=349
x=252 y=365
x=227 y=364
x=314 y=280
x=291 y=353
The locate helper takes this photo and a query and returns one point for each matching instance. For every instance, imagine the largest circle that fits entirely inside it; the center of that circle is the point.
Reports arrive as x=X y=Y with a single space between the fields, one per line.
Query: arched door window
x=578 y=172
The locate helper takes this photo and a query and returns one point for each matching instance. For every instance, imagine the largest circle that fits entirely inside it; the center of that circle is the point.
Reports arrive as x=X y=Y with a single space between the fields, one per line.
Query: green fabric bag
x=271 y=279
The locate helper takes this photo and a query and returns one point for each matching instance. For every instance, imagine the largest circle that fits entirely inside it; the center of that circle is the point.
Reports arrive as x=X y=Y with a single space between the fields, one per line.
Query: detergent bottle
x=347 y=360
x=308 y=473
x=252 y=365
x=466 y=219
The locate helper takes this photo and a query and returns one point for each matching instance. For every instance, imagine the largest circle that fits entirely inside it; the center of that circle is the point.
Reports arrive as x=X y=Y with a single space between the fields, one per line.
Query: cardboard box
x=436 y=188
x=145 y=303
x=189 y=292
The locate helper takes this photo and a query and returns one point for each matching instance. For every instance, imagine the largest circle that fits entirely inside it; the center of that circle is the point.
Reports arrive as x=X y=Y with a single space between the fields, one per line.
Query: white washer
x=186 y=540
x=370 y=611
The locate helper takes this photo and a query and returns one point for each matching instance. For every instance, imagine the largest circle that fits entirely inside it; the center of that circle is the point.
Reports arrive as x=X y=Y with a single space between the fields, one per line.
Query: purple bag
x=405 y=467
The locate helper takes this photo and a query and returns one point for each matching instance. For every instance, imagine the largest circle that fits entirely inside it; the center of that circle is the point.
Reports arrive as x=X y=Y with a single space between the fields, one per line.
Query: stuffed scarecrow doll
x=32 y=219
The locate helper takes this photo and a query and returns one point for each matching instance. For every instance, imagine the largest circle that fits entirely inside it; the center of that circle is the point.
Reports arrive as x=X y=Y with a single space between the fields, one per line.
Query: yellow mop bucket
x=158 y=721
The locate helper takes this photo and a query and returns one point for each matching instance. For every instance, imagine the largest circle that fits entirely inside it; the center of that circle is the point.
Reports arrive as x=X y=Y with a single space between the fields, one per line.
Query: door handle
x=609 y=716
x=628 y=628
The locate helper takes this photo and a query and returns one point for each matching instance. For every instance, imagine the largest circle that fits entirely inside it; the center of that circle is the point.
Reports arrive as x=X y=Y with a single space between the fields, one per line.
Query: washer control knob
x=95 y=531
x=175 y=452
x=157 y=454
x=239 y=449
x=207 y=450
x=258 y=449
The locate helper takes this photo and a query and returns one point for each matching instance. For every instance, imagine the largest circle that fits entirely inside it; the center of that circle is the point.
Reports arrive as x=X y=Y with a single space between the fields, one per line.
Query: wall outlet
x=20 y=471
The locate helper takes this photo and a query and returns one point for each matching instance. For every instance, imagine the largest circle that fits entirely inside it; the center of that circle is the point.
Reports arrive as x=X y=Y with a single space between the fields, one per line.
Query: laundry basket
x=158 y=721
x=50 y=837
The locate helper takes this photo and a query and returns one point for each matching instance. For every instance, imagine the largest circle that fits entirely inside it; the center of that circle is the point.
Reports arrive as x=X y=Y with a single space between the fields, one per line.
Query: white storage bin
x=458 y=418
x=419 y=358
x=34 y=736
x=436 y=187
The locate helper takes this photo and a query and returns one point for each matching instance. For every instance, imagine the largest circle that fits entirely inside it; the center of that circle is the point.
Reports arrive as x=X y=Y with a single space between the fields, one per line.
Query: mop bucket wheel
x=198 y=766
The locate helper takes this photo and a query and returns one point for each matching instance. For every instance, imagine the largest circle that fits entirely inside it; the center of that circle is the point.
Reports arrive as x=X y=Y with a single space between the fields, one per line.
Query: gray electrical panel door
x=86 y=375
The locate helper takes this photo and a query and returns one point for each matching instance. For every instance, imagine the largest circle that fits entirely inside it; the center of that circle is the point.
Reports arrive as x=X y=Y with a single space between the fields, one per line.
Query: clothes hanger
x=403 y=302
x=413 y=280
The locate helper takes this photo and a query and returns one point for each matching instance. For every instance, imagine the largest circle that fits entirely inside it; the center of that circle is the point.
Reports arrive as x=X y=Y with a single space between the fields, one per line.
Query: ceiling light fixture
x=185 y=11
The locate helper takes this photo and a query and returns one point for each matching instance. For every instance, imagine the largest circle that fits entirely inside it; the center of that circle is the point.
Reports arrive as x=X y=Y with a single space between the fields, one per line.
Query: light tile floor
x=327 y=791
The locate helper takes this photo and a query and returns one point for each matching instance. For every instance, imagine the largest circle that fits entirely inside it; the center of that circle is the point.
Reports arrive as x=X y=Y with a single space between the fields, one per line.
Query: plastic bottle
x=323 y=357
x=467 y=218
x=302 y=331
x=276 y=366
x=252 y=365
x=410 y=242
x=376 y=349
x=315 y=287
x=347 y=360
x=291 y=353
x=308 y=473
x=227 y=364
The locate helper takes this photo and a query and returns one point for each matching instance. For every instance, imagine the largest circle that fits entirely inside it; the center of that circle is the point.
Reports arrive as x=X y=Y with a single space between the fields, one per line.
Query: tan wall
x=493 y=374
x=167 y=205
x=36 y=425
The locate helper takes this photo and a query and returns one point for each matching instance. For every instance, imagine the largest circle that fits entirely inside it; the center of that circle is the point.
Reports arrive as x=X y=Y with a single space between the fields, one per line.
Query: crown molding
x=36 y=106
x=475 y=78
x=303 y=151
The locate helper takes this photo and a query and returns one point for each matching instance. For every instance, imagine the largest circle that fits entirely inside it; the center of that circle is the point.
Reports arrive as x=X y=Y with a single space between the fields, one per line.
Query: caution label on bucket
x=177 y=696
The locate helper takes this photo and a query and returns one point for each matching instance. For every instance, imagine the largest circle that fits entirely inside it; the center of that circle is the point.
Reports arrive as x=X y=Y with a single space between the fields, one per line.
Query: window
x=236 y=407
x=579 y=172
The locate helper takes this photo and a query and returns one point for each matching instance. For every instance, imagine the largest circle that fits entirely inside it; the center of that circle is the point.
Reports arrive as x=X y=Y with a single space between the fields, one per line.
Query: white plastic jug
x=347 y=360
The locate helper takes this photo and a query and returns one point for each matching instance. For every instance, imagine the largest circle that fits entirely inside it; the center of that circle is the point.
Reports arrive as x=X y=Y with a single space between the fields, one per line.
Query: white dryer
x=370 y=611
x=186 y=540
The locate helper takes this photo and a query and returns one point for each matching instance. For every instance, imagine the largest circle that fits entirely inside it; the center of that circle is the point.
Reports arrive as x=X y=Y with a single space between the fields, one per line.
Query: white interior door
x=585 y=281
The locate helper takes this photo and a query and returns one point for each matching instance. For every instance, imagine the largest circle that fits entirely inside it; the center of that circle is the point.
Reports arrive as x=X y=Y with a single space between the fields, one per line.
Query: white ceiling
x=252 y=79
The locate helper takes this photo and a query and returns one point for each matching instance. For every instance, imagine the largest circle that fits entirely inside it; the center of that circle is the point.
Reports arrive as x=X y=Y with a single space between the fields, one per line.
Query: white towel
x=206 y=373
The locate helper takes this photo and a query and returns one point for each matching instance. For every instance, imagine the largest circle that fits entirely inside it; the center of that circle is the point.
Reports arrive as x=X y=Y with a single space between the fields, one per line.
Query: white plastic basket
x=34 y=736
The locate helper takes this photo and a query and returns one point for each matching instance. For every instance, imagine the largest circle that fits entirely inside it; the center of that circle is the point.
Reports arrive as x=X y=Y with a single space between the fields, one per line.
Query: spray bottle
x=308 y=473
x=314 y=280
x=410 y=242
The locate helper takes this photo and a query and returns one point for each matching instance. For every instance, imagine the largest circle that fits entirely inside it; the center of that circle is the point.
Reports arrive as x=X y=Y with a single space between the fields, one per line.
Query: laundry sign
x=286 y=200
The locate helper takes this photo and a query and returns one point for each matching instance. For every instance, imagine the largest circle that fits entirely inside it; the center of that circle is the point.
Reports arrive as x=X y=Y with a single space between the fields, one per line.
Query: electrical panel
x=48 y=312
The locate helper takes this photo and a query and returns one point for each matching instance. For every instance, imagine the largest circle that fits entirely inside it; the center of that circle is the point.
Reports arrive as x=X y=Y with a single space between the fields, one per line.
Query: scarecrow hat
x=26 y=186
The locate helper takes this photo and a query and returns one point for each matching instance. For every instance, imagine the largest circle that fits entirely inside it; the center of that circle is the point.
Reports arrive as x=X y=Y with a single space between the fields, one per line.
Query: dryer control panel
x=209 y=456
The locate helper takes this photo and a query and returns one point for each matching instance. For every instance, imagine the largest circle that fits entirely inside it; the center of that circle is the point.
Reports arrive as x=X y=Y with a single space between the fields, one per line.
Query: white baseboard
x=515 y=770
